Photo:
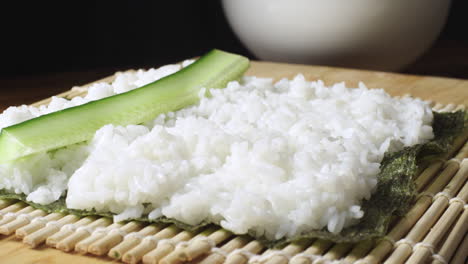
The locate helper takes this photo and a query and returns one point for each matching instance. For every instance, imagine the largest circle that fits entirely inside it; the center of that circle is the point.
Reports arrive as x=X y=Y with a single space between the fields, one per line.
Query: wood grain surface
x=443 y=90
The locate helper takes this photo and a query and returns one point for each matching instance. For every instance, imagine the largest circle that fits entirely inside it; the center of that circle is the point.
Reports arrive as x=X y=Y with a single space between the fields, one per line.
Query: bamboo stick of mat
x=338 y=251
x=384 y=246
x=149 y=243
x=174 y=256
x=405 y=247
x=37 y=224
x=78 y=91
x=5 y=203
x=463 y=153
x=462 y=252
x=426 y=248
x=12 y=208
x=112 y=238
x=428 y=174
x=284 y=255
x=448 y=108
x=438 y=106
x=8 y=217
x=218 y=255
x=67 y=230
x=203 y=245
x=51 y=227
x=82 y=246
x=164 y=249
x=20 y=221
x=454 y=239
x=317 y=248
x=242 y=255
x=359 y=251
x=133 y=239
x=69 y=243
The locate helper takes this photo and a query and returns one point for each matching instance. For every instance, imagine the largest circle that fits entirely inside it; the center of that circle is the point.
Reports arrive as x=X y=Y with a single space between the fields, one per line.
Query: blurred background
x=65 y=43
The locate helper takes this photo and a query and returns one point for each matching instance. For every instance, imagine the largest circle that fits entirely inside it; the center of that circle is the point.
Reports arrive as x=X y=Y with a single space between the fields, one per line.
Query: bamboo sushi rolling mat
x=433 y=231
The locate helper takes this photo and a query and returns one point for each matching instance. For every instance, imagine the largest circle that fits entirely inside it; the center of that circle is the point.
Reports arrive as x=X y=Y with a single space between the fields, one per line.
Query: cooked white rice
x=44 y=177
x=277 y=159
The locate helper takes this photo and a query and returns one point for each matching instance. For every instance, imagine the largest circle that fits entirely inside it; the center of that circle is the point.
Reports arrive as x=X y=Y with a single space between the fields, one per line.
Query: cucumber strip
x=77 y=124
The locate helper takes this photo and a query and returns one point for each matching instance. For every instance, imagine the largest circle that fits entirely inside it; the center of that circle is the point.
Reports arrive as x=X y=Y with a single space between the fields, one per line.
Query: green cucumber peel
x=79 y=123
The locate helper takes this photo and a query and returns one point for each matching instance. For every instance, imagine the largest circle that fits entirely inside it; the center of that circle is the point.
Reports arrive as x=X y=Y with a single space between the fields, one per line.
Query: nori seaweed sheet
x=394 y=193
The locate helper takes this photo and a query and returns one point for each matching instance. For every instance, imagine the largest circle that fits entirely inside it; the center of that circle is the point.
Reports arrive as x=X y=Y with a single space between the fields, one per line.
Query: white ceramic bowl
x=372 y=34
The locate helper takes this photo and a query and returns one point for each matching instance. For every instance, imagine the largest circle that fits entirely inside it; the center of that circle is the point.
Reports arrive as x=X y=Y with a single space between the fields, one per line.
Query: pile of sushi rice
x=277 y=159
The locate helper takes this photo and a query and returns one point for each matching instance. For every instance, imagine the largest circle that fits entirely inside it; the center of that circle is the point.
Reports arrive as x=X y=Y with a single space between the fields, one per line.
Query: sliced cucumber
x=77 y=124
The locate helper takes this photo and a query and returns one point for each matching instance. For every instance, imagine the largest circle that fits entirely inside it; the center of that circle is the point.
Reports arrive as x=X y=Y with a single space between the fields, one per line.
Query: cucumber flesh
x=78 y=124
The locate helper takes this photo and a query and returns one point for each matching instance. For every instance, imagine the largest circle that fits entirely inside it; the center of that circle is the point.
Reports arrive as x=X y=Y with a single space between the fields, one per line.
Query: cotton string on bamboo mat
x=433 y=231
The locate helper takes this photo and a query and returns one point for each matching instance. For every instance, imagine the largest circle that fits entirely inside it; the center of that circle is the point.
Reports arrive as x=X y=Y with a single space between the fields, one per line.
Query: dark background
x=76 y=35
x=80 y=41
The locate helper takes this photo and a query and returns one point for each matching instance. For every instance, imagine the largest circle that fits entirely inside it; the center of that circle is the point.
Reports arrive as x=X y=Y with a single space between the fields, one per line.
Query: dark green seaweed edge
x=396 y=187
x=393 y=196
